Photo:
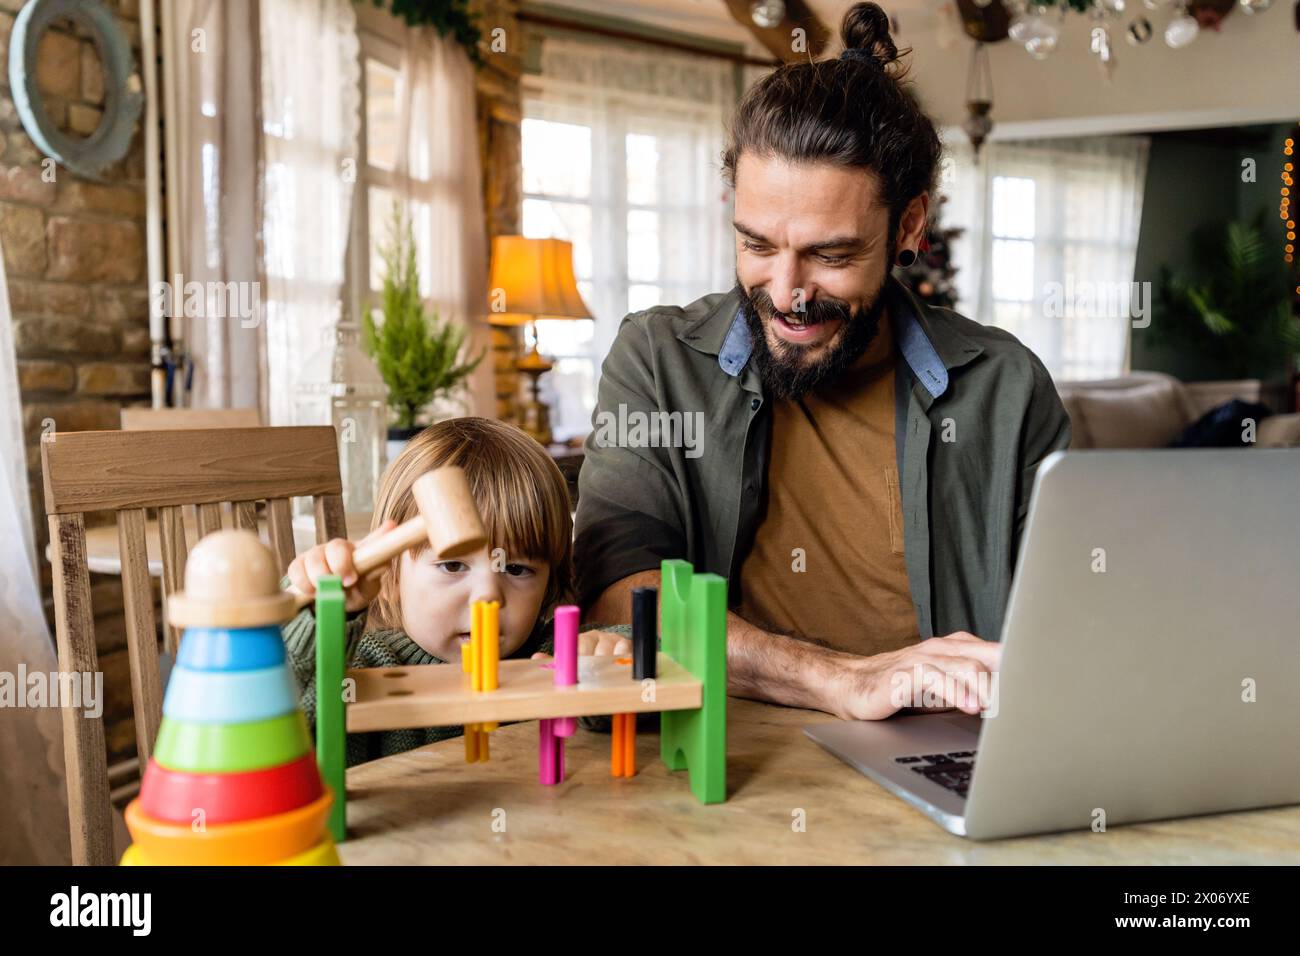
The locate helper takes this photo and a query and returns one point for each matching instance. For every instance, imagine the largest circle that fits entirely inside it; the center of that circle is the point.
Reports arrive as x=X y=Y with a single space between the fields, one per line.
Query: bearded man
x=866 y=461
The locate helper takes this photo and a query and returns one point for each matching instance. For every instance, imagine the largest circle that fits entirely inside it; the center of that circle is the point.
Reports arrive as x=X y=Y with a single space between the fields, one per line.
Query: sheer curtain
x=1051 y=230
x=213 y=148
x=310 y=101
x=34 y=829
x=263 y=100
x=622 y=157
x=438 y=178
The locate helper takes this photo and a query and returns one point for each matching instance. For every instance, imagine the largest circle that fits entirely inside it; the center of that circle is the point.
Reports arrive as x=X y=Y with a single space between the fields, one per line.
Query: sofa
x=1151 y=409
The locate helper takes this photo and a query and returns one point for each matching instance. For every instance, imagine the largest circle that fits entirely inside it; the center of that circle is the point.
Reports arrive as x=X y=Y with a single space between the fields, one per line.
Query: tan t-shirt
x=833 y=509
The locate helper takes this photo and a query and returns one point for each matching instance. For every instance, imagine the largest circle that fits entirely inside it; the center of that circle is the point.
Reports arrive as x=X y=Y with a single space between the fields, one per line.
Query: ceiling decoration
x=773 y=22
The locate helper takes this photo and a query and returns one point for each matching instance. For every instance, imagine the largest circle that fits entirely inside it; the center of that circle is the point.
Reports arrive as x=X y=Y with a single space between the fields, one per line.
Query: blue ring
x=230 y=649
x=229 y=697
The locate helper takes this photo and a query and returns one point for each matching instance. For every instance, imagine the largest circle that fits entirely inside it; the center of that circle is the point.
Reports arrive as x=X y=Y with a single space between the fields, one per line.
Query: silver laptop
x=1150 y=662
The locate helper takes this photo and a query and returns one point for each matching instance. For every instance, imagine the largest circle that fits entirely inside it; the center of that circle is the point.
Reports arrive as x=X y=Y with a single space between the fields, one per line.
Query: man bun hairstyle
x=866 y=30
x=854 y=111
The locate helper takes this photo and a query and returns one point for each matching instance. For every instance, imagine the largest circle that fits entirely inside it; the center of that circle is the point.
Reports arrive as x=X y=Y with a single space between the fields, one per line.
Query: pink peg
x=550 y=754
x=545 y=753
x=566 y=663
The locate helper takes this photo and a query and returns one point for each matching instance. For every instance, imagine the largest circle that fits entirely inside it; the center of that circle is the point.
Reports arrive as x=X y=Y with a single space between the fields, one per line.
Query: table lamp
x=533 y=279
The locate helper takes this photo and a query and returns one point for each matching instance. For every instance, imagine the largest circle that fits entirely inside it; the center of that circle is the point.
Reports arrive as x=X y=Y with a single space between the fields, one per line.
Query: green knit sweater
x=393 y=648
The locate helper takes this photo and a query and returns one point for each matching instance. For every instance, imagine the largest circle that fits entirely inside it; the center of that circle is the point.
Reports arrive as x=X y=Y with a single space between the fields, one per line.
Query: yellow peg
x=491 y=644
x=471 y=743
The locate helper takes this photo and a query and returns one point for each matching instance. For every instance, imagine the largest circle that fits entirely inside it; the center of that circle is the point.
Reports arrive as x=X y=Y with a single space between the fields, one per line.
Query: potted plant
x=1234 y=309
x=417 y=352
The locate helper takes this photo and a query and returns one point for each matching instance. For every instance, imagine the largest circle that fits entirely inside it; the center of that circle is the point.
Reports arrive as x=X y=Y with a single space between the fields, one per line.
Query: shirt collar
x=930 y=348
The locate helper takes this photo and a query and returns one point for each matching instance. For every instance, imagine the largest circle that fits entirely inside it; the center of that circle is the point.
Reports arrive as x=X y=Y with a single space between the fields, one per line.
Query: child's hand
x=596 y=642
x=335 y=557
x=603 y=642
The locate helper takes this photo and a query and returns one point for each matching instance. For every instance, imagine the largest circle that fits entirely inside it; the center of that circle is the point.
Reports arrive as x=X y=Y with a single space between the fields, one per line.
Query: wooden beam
x=541 y=19
x=779 y=40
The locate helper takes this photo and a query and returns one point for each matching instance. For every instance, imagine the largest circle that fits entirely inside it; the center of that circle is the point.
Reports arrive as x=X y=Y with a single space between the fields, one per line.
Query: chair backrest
x=157 y=419
x=128 y=472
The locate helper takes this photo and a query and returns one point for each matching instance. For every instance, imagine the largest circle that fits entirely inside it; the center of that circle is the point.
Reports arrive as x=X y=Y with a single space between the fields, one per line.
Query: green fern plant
x=1235 y=308
x=417 y=353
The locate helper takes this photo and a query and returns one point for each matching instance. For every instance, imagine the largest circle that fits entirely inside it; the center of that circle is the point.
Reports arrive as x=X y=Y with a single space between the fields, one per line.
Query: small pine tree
x=416 y=351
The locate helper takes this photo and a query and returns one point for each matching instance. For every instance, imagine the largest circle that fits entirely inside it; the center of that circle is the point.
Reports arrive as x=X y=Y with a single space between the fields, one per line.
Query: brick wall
x=74 y=255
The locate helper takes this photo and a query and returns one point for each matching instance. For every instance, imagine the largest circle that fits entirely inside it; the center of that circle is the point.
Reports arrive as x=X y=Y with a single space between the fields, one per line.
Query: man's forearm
x=760 y=665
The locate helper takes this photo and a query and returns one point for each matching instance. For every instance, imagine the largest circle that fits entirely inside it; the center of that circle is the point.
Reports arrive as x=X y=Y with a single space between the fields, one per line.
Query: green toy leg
x=693 y=632
x=331 y=719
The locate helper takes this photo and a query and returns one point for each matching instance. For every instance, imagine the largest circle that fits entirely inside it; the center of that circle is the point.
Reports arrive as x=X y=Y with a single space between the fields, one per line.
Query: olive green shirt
x=975 y=414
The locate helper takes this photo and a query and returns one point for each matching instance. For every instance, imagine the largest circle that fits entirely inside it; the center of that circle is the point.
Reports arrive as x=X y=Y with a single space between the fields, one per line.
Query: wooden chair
x=129 y=472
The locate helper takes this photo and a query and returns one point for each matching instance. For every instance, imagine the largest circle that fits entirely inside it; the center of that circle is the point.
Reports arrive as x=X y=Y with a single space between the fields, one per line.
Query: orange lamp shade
x=533 y=279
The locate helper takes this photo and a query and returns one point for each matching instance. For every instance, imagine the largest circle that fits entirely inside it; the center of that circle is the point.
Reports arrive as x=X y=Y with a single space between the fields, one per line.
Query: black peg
x=645 y=632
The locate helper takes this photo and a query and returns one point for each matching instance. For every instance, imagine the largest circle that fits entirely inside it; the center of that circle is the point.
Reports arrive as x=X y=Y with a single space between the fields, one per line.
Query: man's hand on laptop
x=942 y=673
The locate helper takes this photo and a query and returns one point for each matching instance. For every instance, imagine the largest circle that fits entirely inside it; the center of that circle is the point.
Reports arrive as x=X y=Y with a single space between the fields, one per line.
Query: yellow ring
x=322 y=854
x=246 y=843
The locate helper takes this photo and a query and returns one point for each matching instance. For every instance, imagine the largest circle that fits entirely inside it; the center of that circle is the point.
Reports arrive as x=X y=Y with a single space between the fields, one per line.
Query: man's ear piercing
x=906 y=257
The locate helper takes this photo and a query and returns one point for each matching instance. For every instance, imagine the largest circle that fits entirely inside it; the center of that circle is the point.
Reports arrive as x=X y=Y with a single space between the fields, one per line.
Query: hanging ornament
x=1138 y=32
x=767 y=14
x=1208 y=17
x=1182 y=28
x=1038 y=34
x=1043 y=41
x=1251 y=7
x=979 y=97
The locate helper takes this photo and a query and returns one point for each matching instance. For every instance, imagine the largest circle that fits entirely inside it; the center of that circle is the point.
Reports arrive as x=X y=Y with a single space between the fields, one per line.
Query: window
x=631 y=178
x=1050 y=240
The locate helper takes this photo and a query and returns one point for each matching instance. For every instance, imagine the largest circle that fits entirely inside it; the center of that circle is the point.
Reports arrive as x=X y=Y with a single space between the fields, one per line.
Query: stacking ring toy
x=170 y=796
x=231 y=748
x=250 y=843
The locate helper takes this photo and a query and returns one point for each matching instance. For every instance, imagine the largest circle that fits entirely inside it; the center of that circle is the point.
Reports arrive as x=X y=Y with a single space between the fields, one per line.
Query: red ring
x=173 y=796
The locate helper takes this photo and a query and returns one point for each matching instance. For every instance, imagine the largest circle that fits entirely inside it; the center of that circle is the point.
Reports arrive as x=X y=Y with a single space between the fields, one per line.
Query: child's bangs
x=521 y=512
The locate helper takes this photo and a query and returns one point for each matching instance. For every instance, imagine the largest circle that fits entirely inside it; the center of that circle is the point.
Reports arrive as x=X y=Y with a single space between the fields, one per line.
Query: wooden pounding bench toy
x=231 y=780
x=688 y=687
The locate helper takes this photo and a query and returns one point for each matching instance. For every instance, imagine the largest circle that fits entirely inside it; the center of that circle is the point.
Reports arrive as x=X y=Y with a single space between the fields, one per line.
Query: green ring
x=232 y=748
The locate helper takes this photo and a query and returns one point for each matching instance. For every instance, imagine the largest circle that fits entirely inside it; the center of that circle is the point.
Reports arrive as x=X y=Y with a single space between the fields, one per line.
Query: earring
x=906 y=257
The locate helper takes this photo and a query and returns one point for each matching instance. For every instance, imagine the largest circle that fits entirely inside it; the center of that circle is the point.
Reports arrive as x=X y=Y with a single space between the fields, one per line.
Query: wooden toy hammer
x=448 y=520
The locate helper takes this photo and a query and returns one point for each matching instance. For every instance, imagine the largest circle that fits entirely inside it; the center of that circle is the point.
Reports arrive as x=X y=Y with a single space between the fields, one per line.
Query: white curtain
x=33 y=804
x=310 y=101
x=213 y=149
x=644 y=202
x=1051 y=230
x=438 y=177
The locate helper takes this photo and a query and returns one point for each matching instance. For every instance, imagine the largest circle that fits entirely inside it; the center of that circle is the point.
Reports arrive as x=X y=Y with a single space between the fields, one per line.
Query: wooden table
x=428 y=806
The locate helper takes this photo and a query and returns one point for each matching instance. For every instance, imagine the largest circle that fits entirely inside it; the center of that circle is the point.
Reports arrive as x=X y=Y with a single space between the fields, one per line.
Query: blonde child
x=419 y=611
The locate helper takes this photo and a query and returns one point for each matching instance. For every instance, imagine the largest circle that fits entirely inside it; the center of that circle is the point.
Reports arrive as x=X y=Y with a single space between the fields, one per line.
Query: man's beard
x=785 y=371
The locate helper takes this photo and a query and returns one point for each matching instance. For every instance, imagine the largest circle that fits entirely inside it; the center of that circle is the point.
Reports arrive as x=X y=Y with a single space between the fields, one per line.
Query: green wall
x=1193 y=184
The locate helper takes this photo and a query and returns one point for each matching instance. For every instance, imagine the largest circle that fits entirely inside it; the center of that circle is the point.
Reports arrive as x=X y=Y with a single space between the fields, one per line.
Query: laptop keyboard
x=951 y=770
